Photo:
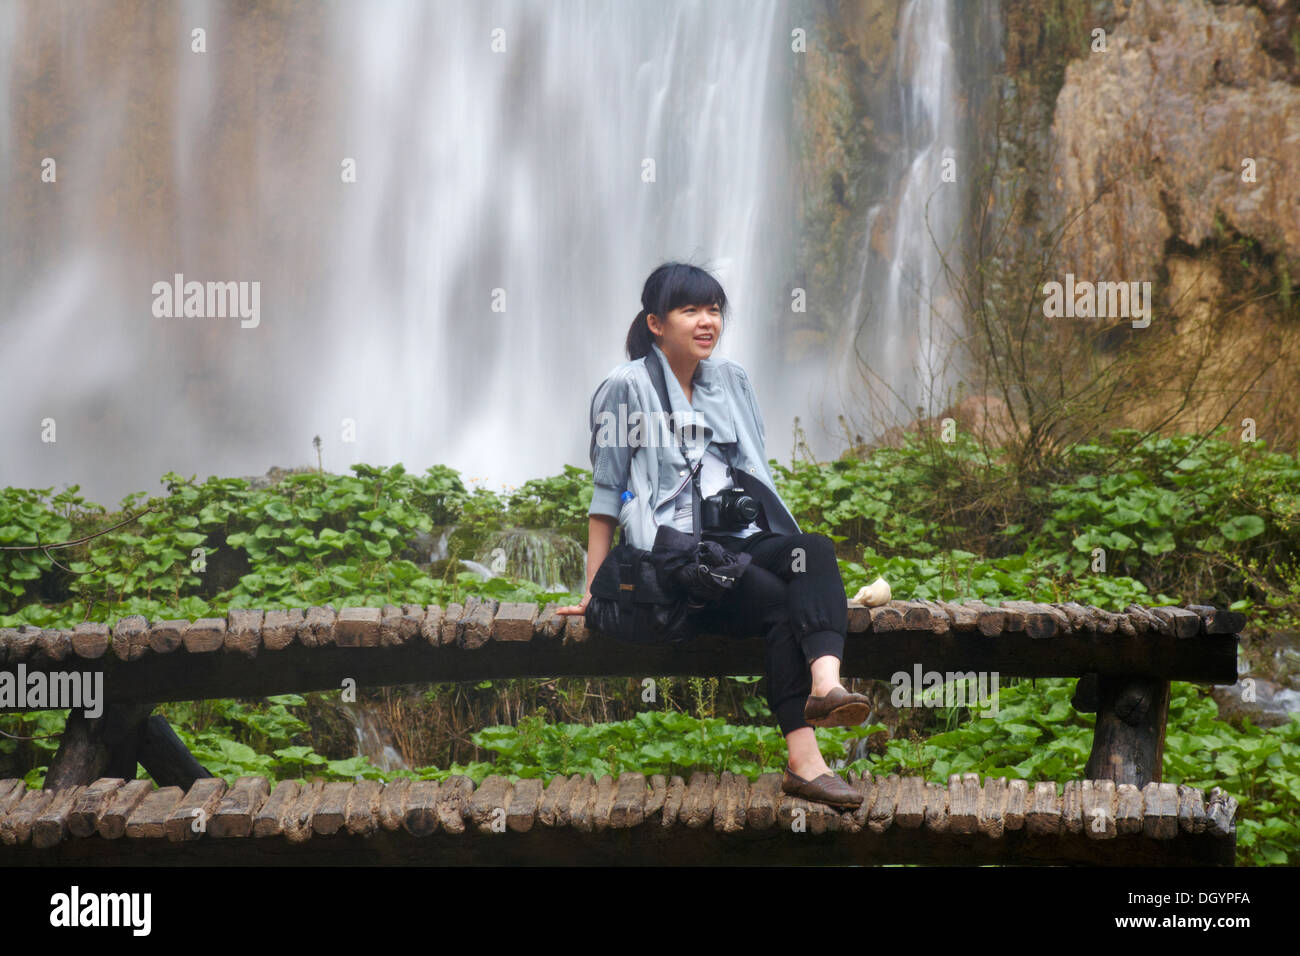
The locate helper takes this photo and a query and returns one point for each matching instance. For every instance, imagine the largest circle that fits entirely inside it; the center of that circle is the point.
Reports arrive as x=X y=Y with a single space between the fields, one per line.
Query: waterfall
x=910 y=314
x=458 y=303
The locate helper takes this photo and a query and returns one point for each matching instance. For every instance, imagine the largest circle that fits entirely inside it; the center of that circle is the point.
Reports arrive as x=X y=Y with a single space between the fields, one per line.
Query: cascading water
x=903 y=295
x=457 y=303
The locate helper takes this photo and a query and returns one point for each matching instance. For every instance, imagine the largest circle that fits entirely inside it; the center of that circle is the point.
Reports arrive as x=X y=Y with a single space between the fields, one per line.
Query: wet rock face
x=1155 y=130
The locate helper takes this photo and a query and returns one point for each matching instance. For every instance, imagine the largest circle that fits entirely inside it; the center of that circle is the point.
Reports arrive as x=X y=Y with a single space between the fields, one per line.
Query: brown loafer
x=839 y=708
x=828 y=788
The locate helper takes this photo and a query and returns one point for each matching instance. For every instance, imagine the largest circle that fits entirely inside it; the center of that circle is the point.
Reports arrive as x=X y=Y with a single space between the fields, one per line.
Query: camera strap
x=655 y=368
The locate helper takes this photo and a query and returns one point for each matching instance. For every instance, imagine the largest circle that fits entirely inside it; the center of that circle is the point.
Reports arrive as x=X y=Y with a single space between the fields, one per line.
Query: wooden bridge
x=711 y=818
x=1120 y=813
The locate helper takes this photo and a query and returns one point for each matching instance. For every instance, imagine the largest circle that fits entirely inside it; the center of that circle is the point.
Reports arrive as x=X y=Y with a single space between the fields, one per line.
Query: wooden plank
x=1013 y=818
x=575 y=629
x=673 y=801
x=487 y=804
x=555 y=796
x=319 y=626
x=392 y=804
x=697 y=804
x=399 y=624
x=604 y=806
x=1191 y=810
x=963 y=802
x=117 y=809
x=1072 y=807
x=1044 y=815
x=16 y=825
x=51 y=825
x=7 y=636
x=244 y=631
x=450 y=621
x=296 y=824
x=1040 y=622
x=195 y=810
x=731 y=803
x=1220 y=810
x=940 y=622
x=791 y=809
x=332 y=810
x=361 y=818
x=205 y=635
x=92 y=801
x=629 y=801
x=859 y=619
x=1160 y=806
x=911 y=803
x=992 y=807
x=654 y=803
x=420 y=814
x=886 y=619
x=865 y=785
x=936 y=807
x=357 y=627
x=148 y=821
x=22 y=643
x=90 y=640
x=11 y=792
x=989 y=621
x=1105 y=622
x=1081 y=621
x=1128 y=809
x=53 y=647
x=268 y=820
x=525 y=799
x=453 y=803
x=514 y=621
x=431 y=626
x=234 y=814
x=549 y=626
x=130 y=639
x=582 y=804
x=1099 y=809
x=1144 y=618
x=881 y=816
x=964 y=618
x=763 y=799
x=280 y=628
x=478 y=624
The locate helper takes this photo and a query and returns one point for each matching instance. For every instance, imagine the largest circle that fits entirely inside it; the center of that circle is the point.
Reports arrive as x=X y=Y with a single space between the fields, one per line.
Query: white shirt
x=714 y=476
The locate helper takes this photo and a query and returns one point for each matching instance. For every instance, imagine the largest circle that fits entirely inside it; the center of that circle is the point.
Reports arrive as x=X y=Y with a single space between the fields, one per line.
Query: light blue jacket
x=648 y=462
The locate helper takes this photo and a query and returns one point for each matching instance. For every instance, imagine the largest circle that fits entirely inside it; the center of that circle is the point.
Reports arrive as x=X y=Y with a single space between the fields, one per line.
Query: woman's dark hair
x=671 y=286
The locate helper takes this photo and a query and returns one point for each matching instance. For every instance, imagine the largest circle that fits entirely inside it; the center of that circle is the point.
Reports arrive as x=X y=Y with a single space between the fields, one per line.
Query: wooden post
x=94 y=747
x=1128 y=741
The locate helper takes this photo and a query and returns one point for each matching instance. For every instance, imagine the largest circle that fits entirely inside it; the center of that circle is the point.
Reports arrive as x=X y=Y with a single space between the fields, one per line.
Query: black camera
x=731 y=509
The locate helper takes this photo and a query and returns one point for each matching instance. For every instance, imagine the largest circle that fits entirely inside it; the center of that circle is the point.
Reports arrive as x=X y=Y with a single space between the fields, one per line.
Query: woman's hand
x=575 y=608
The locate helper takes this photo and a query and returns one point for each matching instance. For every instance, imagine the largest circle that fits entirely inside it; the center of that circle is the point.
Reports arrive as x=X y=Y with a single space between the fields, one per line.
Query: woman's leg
x=791 y=593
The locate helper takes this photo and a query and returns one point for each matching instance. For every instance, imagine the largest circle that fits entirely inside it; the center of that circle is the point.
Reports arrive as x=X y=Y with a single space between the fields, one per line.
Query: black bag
x=649 y=597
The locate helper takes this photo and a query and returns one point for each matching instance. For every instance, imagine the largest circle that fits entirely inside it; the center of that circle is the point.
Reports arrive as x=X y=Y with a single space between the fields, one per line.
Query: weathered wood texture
x=631 y=820
x=254 y=653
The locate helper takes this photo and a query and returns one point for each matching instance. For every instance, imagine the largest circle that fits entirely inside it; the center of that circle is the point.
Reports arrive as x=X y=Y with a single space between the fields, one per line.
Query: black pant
x=796 y=600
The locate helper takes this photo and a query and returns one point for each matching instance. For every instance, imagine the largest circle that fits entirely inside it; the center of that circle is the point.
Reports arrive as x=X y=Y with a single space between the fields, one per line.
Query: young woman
x=791 y=592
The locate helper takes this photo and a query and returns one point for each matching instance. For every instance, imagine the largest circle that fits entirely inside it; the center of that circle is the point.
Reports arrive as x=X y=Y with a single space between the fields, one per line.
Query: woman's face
x=690 y=332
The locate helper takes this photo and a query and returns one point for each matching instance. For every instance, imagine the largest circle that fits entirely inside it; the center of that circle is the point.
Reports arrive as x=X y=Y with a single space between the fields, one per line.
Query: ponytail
x=639 y=338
